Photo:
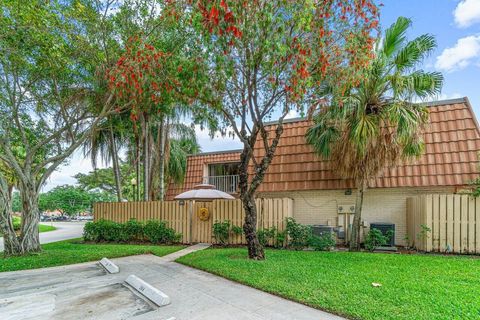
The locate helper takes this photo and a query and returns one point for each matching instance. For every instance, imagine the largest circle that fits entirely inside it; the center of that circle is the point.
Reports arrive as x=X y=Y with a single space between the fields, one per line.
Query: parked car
x=45 y=218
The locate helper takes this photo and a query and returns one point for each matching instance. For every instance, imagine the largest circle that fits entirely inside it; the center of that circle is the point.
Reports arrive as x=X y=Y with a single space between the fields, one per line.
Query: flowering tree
x=159 y=76
x=267 y=57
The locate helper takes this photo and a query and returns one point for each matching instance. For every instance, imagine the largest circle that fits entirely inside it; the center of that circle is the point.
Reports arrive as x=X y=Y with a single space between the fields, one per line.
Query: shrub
x=324 y=242
x=89 y=232
x=111 y=231
x=17 y=223
x=280 y=239
x=265 y=235
x=424 y=232
x=236 y=230
x=222 y=230
x=159 y=232
x=101 y=230
x=299 y=235
x=134 y=229
x=153 y=231
x=375 y=238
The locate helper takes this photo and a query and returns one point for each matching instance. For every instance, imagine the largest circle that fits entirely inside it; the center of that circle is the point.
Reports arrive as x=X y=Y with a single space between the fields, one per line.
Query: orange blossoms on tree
x=141 y=77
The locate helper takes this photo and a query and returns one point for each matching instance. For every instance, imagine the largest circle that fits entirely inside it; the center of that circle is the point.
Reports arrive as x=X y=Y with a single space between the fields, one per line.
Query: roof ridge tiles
x=427 y=104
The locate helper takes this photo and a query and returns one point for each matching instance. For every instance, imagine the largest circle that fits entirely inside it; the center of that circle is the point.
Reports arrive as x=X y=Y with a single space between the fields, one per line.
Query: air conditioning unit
x=320 y=229
x=384 y=228
x=345 y=208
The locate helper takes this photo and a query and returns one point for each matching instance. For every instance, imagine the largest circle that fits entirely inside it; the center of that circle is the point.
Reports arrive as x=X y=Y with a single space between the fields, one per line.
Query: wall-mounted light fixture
x=348 y=192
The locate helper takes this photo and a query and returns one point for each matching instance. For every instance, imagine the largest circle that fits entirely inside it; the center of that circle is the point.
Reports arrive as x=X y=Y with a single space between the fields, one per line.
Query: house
x=448 y=165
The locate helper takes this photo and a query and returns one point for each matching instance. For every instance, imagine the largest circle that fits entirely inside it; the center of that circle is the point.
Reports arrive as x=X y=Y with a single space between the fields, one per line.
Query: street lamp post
x=133 y=182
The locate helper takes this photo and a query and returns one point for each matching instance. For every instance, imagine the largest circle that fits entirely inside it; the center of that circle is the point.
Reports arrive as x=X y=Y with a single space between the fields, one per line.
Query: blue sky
x=454 y=23
x=456 y=26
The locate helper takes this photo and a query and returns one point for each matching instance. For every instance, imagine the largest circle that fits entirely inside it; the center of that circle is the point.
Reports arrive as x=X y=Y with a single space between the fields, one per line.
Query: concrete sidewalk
x=65 y=231
x=85 y=291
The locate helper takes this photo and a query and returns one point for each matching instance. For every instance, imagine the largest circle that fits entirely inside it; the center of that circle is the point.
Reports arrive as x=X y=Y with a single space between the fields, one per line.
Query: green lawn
x=45 y=228
x=73 y=251
x=42 y=228
x=413 y=286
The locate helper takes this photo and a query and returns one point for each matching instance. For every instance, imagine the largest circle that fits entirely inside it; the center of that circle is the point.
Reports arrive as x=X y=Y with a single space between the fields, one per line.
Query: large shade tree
x=47 y=89
x=265 y=58
x=71 y=200
x=375 y=123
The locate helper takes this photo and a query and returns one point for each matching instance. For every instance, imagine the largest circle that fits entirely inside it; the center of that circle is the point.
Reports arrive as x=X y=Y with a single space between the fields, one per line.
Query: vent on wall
x=346 y=208
x=384 y=228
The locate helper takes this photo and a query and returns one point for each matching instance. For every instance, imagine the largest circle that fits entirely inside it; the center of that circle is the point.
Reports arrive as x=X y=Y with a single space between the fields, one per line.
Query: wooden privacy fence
x=185 y=219
x=444 y=223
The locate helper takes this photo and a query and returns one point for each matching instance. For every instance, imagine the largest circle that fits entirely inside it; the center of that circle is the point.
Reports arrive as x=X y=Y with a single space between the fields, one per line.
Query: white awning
x=204 y=192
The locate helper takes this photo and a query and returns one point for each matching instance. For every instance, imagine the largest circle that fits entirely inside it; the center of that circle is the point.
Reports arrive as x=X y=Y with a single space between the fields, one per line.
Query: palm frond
x=420 y=84
x=414 y=52
x=322 y=137
x=413 y=148
x=361 y=131
x=395 y=36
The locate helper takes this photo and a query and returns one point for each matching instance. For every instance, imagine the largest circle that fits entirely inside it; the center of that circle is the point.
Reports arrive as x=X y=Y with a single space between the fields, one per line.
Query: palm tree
x=105 y=143
x=377 y=123
x=183 y=141
x=173 y=142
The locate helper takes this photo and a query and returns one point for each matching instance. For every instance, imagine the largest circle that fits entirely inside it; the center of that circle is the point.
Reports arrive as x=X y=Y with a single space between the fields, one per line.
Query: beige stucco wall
x=380 y=205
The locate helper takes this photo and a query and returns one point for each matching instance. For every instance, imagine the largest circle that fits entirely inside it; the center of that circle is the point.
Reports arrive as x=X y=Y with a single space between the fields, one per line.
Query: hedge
x=153 y=231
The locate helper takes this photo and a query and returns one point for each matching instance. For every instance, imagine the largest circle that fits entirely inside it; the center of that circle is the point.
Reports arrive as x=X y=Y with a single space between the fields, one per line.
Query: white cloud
x=446 y=96
x=64 y=174
x=292 y=114
x=465 y=51
x=439 y=97
x=218 y=142
x=467 y=13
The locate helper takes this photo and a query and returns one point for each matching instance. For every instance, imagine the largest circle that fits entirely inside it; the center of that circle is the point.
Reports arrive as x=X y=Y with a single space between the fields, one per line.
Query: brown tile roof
x=452 y=144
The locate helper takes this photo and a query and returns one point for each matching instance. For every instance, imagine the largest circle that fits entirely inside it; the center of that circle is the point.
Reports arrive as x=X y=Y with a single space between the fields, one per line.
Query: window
x=223 y=169
x=224 y=176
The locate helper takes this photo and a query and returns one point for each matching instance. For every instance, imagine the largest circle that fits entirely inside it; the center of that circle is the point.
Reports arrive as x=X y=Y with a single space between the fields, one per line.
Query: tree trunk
x=136 y=191
x=11 y=242
x=146 y=160
x=29 y=237
x=115 y=165
x=357 y=219
x=28 y=241
x=10 y=239
x=163 y=140
x=255 y=249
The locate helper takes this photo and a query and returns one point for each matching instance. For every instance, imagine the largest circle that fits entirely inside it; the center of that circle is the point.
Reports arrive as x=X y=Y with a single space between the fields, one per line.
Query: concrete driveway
x=85 y=291
x=65 y=231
